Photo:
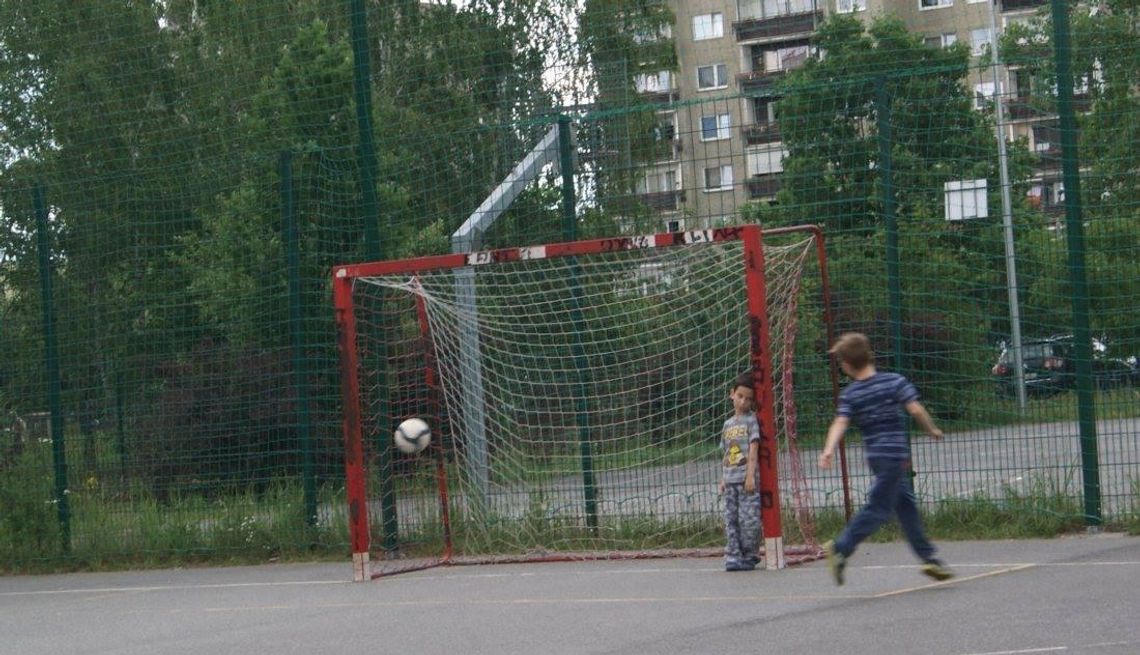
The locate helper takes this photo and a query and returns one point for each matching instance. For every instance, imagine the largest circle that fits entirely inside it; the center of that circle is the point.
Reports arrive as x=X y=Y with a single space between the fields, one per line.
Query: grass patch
x=119 y=527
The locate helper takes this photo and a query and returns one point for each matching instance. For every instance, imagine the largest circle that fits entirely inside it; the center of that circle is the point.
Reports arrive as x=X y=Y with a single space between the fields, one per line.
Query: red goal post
x=759 y=362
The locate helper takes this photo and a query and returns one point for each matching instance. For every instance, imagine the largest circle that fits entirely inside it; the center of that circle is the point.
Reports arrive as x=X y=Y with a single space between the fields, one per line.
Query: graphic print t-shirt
x=875 y=405
x=738 y=432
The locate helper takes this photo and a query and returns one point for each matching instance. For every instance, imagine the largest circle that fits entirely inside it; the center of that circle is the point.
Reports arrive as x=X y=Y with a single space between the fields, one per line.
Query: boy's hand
x=825 y=459
x=749 y=484
x=936 y=433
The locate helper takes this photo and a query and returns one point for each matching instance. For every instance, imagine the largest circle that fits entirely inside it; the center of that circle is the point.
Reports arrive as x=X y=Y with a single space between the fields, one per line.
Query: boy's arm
x=922 y=417
x=834 y=434
x=753 y=458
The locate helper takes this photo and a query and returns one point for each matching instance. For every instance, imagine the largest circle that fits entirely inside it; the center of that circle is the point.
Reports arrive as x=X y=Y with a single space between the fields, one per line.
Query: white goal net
x=575 y=399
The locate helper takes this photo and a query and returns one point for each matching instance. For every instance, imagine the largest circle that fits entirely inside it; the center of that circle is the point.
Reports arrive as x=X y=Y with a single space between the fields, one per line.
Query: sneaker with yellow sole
x=936 y=569
x=836 y=561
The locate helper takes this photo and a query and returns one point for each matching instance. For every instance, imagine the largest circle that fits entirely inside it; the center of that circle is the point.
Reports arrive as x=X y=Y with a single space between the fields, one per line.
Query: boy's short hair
x=854 y=348
x=742 y=380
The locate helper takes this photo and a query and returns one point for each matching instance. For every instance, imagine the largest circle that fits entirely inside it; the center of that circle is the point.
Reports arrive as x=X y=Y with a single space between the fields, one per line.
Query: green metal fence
x=178 y=179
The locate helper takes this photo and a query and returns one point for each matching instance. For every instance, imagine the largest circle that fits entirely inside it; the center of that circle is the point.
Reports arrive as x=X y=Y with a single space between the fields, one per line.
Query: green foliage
x=828 y=123
x=29 y=525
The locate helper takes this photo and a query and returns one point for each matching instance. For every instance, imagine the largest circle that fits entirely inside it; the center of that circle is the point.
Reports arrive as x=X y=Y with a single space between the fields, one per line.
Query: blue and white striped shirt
x=875 y=406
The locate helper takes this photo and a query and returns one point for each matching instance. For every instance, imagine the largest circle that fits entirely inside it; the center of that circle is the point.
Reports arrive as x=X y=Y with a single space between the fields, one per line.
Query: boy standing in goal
x=740 y=443
x=873 y=400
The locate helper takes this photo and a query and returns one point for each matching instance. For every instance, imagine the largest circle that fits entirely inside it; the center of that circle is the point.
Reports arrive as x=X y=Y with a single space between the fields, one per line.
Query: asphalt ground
x=1068 y=595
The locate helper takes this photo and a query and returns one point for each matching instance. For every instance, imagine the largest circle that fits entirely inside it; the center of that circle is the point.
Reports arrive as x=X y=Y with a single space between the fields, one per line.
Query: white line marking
x=1054 y=649
x=124 y=590
x=1046 y=649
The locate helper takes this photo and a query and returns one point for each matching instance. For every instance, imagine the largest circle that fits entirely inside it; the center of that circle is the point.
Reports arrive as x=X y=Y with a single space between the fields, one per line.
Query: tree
x=831 y=112
x=157 y=130
x=1105 y=39
x=623 y=42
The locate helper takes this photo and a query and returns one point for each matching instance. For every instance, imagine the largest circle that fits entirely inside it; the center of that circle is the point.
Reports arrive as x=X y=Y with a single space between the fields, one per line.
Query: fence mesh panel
x=178 y=178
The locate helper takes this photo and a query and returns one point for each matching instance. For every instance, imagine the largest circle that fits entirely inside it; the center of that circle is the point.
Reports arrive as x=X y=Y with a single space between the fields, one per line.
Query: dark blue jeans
x=891 y=493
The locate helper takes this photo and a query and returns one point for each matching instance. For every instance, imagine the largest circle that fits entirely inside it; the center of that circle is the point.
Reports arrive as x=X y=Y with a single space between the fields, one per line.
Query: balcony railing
x=758 y=80
x=1049 y=158
x=667 y=149
x=1017 y=5
x=759 y=133
x=660 y=97
x=663 y=200
x=1020 y=109
x=763 y=186
x=777 y=26
x=1024 y=108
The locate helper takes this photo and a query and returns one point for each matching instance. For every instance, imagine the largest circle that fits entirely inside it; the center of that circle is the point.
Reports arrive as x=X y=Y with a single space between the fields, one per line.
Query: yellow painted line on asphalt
x=959 y=580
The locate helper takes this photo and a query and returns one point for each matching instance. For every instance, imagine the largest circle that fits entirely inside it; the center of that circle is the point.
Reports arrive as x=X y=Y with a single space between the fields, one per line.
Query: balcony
x=760 y=133
x=1023 y=109
x=1018 y=5
x=777 y=26
x=660 y=97
x=663 y=200
x=667 y=149
x=1049 y=158
x=758 y=81
x=763 y=186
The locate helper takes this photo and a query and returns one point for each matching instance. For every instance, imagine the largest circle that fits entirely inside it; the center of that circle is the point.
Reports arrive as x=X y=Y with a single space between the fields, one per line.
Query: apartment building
x=719 y=110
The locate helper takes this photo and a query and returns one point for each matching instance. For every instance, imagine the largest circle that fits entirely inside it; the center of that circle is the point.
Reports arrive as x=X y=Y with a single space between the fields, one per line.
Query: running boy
x=873 y=400
x=740 y=442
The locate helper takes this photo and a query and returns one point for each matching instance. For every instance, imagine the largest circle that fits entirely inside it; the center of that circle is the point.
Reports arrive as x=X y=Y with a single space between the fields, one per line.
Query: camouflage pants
x=741 y=524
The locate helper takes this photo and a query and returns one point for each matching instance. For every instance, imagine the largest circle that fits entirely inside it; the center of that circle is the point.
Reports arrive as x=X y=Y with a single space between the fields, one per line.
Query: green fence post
x=51 y=367
x=366 y=147
x=890 y=222
x=366 y=162
x=120 y=425
x=1075 y=240
x=300 y=371
x=581 y=364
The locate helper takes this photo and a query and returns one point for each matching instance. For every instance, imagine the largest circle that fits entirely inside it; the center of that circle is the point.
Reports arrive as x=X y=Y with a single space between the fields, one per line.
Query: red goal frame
x=751 y=237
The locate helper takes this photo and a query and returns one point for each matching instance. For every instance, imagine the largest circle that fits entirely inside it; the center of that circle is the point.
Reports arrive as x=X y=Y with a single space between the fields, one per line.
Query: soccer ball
x=412 y=436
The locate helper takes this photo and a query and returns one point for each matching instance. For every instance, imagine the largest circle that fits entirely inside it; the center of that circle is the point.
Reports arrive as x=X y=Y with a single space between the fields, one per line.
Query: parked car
x=1050 y=367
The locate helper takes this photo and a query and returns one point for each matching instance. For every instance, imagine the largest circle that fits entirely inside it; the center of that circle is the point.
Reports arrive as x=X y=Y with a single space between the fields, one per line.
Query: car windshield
x=1028 y=351
x=1043 y=349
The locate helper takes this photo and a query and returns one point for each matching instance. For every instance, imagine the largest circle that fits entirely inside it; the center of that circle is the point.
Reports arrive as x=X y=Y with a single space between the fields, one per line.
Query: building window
x=1019 y=81
x=944 y=40
x=980 y=41
x=708 y=26
x=712 y=77
x=984 y=95
x=764 y=110
x=653 y=35
x=661 y=82
x=660 y=181
x=785 y=59
x=766 y=162
x=850 y=6
x=763 y=9
x=666 y=128
x=716 y=127
x=965 y=199
x=934 y=4
x=718 y=178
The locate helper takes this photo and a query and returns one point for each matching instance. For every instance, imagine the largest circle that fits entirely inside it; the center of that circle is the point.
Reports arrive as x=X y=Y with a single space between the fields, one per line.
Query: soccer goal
x=575 y=392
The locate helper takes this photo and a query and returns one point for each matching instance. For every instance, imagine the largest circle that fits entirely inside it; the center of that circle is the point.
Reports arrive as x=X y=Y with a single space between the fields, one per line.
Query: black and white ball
x=412 y=436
